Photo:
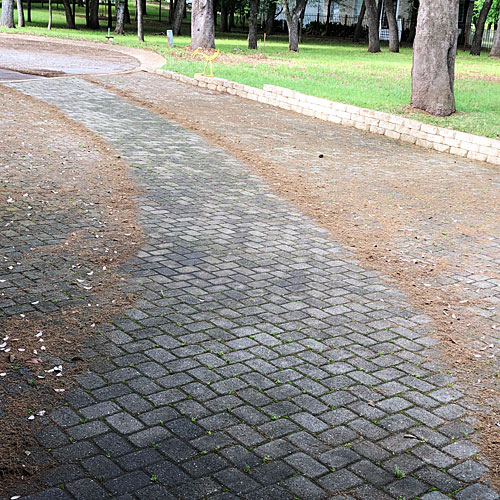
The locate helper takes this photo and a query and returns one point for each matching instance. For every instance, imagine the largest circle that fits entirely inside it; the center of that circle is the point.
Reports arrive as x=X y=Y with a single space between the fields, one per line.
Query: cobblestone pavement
x=260 y=359
x=410 y=201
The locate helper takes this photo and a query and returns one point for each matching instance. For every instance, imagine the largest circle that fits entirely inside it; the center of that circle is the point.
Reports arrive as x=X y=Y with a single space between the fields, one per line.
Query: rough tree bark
x=434 y=52
x=252 y=24
x=177 y=17
x=20 y=14
x=393 y=26
x=93 y=23
x=475 y=49
x=359 y=24
x=292 y=18
x=202 y=25
x=70 y=23
x=495 y=50
x=7 y=18
x=271 y=13
x=140 y=19
x=120 y=17
x=373 y=21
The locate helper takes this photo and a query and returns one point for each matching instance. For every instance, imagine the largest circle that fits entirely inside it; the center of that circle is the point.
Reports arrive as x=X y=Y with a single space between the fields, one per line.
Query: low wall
x=441 y=139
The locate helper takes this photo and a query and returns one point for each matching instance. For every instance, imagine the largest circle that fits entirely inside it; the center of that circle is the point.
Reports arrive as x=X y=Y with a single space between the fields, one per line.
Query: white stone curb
x=441 y=139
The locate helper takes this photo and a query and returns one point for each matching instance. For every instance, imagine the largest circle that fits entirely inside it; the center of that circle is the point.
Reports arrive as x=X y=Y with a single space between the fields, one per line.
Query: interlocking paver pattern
x=260 y=360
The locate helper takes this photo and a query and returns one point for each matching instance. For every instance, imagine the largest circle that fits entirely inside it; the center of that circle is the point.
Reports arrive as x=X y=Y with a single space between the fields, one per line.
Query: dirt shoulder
x=68 y=225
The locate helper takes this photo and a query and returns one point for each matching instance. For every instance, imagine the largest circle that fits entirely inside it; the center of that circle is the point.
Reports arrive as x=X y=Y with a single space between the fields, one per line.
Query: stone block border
x=441 y=139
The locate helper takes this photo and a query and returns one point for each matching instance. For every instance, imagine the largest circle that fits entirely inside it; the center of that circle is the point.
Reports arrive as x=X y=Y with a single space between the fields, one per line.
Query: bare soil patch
x=68 y=224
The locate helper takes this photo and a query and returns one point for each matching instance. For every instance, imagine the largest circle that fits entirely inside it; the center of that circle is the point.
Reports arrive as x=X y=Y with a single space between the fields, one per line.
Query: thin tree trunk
x=69 y=14
x=468 y=23
x=7 y=18
x=434 y=52
x=110 y=16
x=393 y=26
x=413 y=20
x=223 y=17
x=127 y=13
x=140 y=19
x=292 y=21
x=495 y=50
x=171 y=10
x=271 y=12
x=202 y=25
x=475 y=49
x=120 y=17
x=87 y=13
x=359 y=24
x=252 y=24
x=462 y=34
x=20 y=14
x=373 y=25
x=93 y=14
x=177 y=17
x=49 y=27
x=231 y=19
x=29 y=11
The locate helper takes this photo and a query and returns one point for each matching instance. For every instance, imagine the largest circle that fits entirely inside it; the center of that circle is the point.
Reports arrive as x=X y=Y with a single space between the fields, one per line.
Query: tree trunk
x=252 y=24
x=223 y=17
x=231 y=19
x=434 y=52
x=29 y=11
x=393 y=26
x=475 y=49
x=140 y=19
x=69 y=15
x=93 y=14
x=49 y=26
x=120 y=17
x=171 y=10
x=127 y=13
x=177 y=17
x=462 y=34
x=373 y=25
x=413 y=21
x=468 y=22
x=20 y=14
x=495 y=50
x=110 y=16
x=202 y=25
x=7 y=19
x=271 y=12
x=293 y=33
x=292 y=21
x=359 y=24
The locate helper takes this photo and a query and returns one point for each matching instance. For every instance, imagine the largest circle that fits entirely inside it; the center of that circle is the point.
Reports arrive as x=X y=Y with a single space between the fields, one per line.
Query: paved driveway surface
x=260 y=360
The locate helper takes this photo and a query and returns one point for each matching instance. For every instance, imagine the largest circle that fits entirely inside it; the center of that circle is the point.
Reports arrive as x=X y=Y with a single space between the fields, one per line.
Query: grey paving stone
x=468 y=471
x=86 y=489
x=477 y=491
x=124 y=423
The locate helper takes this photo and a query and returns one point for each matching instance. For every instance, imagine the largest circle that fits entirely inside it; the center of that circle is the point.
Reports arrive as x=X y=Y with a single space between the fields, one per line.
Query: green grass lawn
x=335 y=70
